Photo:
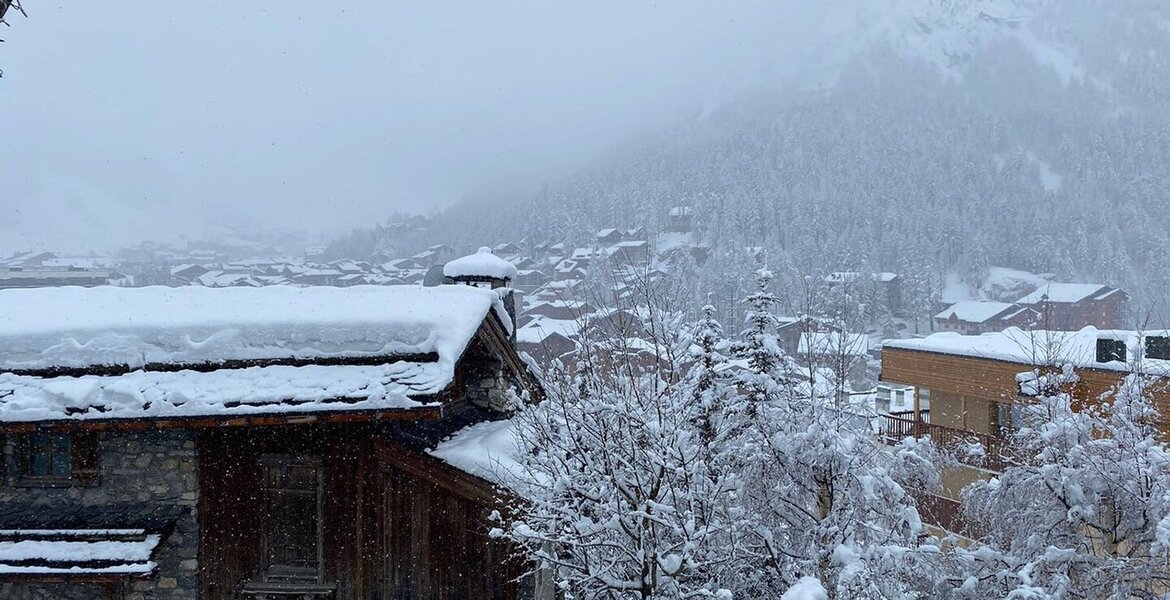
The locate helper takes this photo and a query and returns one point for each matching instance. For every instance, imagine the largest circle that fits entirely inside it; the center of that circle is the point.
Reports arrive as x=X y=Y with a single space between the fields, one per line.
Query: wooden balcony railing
x=974 y=449
x=947 y=514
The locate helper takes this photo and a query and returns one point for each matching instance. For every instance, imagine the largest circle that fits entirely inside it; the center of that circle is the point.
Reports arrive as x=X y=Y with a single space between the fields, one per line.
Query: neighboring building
x=679 y=219
x=888 y=286
x=188 y=274
x=277 y=442
x=973 y=387
x=21 y=278
x=1069 y=306
x=790 y=331
x=546 y=339
x=633 y=252
x=973 y=317
x=28 y=260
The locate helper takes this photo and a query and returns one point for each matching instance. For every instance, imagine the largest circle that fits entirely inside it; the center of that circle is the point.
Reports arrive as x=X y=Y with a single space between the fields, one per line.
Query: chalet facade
x=1071 y=306
x=973 y=317
x=974 y=387
x=242 y=443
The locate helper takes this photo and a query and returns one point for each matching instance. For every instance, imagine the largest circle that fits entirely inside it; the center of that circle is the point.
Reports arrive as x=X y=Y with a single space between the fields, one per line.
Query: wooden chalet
x=972 y=317
x=973 y=388
x=1069 y=306
x=252 y=443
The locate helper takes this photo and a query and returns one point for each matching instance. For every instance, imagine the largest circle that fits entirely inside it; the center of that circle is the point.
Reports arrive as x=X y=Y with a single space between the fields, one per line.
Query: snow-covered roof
x=78 y=552
x=1064 y=293
x=832 y=342
x=540 y=327
x=169 y=350
x=1077 y=348
x=276 y=389
x=487 y=450
x=77 y=327
x=481 y=264
x=975 y=311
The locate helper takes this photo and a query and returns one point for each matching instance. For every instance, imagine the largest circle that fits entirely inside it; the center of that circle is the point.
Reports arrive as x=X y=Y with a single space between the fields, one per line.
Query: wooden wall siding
x=230 y=513
x=949 y=374
x=946 y=409
x=436 y=545
x=993 y=380
x=981 y=381
x=390 y=532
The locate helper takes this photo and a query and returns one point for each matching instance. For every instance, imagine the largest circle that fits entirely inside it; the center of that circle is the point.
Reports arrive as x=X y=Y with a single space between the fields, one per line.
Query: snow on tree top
x=85 y=327
x=481 y=264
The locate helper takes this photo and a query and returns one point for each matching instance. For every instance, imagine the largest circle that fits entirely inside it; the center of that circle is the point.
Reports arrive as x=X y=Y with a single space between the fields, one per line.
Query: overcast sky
x=146 y=119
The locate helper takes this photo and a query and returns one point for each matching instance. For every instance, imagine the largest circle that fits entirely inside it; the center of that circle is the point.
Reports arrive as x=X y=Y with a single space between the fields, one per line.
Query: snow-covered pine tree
x=829 y=501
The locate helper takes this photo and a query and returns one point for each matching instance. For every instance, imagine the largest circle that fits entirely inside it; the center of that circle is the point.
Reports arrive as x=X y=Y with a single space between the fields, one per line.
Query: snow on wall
x=81 y=327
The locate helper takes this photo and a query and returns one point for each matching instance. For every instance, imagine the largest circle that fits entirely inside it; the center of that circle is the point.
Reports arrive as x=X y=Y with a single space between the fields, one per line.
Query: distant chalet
x=272 y=442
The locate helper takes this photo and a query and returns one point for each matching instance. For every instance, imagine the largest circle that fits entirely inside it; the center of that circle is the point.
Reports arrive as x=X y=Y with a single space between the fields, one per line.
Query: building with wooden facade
x=1071 y=306
x=973 y=388
x=972 y=317
x=279 y=442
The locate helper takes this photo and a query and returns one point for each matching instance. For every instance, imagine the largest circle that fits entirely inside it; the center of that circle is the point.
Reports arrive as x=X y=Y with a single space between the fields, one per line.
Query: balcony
x=979 y=450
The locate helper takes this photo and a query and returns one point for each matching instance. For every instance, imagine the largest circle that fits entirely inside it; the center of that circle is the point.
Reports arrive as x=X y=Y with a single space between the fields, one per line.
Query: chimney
x=485 y=269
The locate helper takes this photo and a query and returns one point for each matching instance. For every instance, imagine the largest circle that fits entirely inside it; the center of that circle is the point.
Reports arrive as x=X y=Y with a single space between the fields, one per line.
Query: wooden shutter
x=85 y=458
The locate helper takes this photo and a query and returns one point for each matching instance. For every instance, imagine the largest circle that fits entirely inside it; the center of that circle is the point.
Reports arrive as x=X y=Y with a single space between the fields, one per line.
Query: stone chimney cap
x=480 y=266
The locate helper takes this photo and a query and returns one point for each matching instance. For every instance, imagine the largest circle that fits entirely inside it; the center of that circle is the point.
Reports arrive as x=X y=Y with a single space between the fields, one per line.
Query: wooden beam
x=425 y=413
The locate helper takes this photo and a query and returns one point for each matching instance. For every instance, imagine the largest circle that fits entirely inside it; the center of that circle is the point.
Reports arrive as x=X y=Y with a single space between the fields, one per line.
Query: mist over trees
x=1054 y=163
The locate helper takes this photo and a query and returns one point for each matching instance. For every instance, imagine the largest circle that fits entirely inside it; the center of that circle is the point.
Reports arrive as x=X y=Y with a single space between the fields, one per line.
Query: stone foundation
x=147 y=475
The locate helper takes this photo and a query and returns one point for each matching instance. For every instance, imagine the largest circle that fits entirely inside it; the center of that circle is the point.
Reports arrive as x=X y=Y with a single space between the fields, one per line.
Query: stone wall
x=144 y=477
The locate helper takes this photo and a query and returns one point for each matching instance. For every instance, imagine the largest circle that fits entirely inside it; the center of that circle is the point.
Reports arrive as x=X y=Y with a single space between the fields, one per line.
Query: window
x=1158 y=346
x=46 y=458
x=923 y=399
x=1110 y=350
x=1010 y=417
x=293 y=517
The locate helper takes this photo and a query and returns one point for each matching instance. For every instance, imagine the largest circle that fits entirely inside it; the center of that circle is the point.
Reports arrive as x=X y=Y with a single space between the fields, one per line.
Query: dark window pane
x=37 y=455
x=62 y=457
x=46 y=455
x=1158 y=346
x=1110 y=350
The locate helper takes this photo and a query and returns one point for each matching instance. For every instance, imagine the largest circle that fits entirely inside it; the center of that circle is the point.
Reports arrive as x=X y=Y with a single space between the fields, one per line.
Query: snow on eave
x=487 y=450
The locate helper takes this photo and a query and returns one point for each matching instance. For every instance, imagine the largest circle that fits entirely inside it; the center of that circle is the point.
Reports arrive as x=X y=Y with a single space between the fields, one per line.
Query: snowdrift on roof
x=85 y=327
x=222 y=393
